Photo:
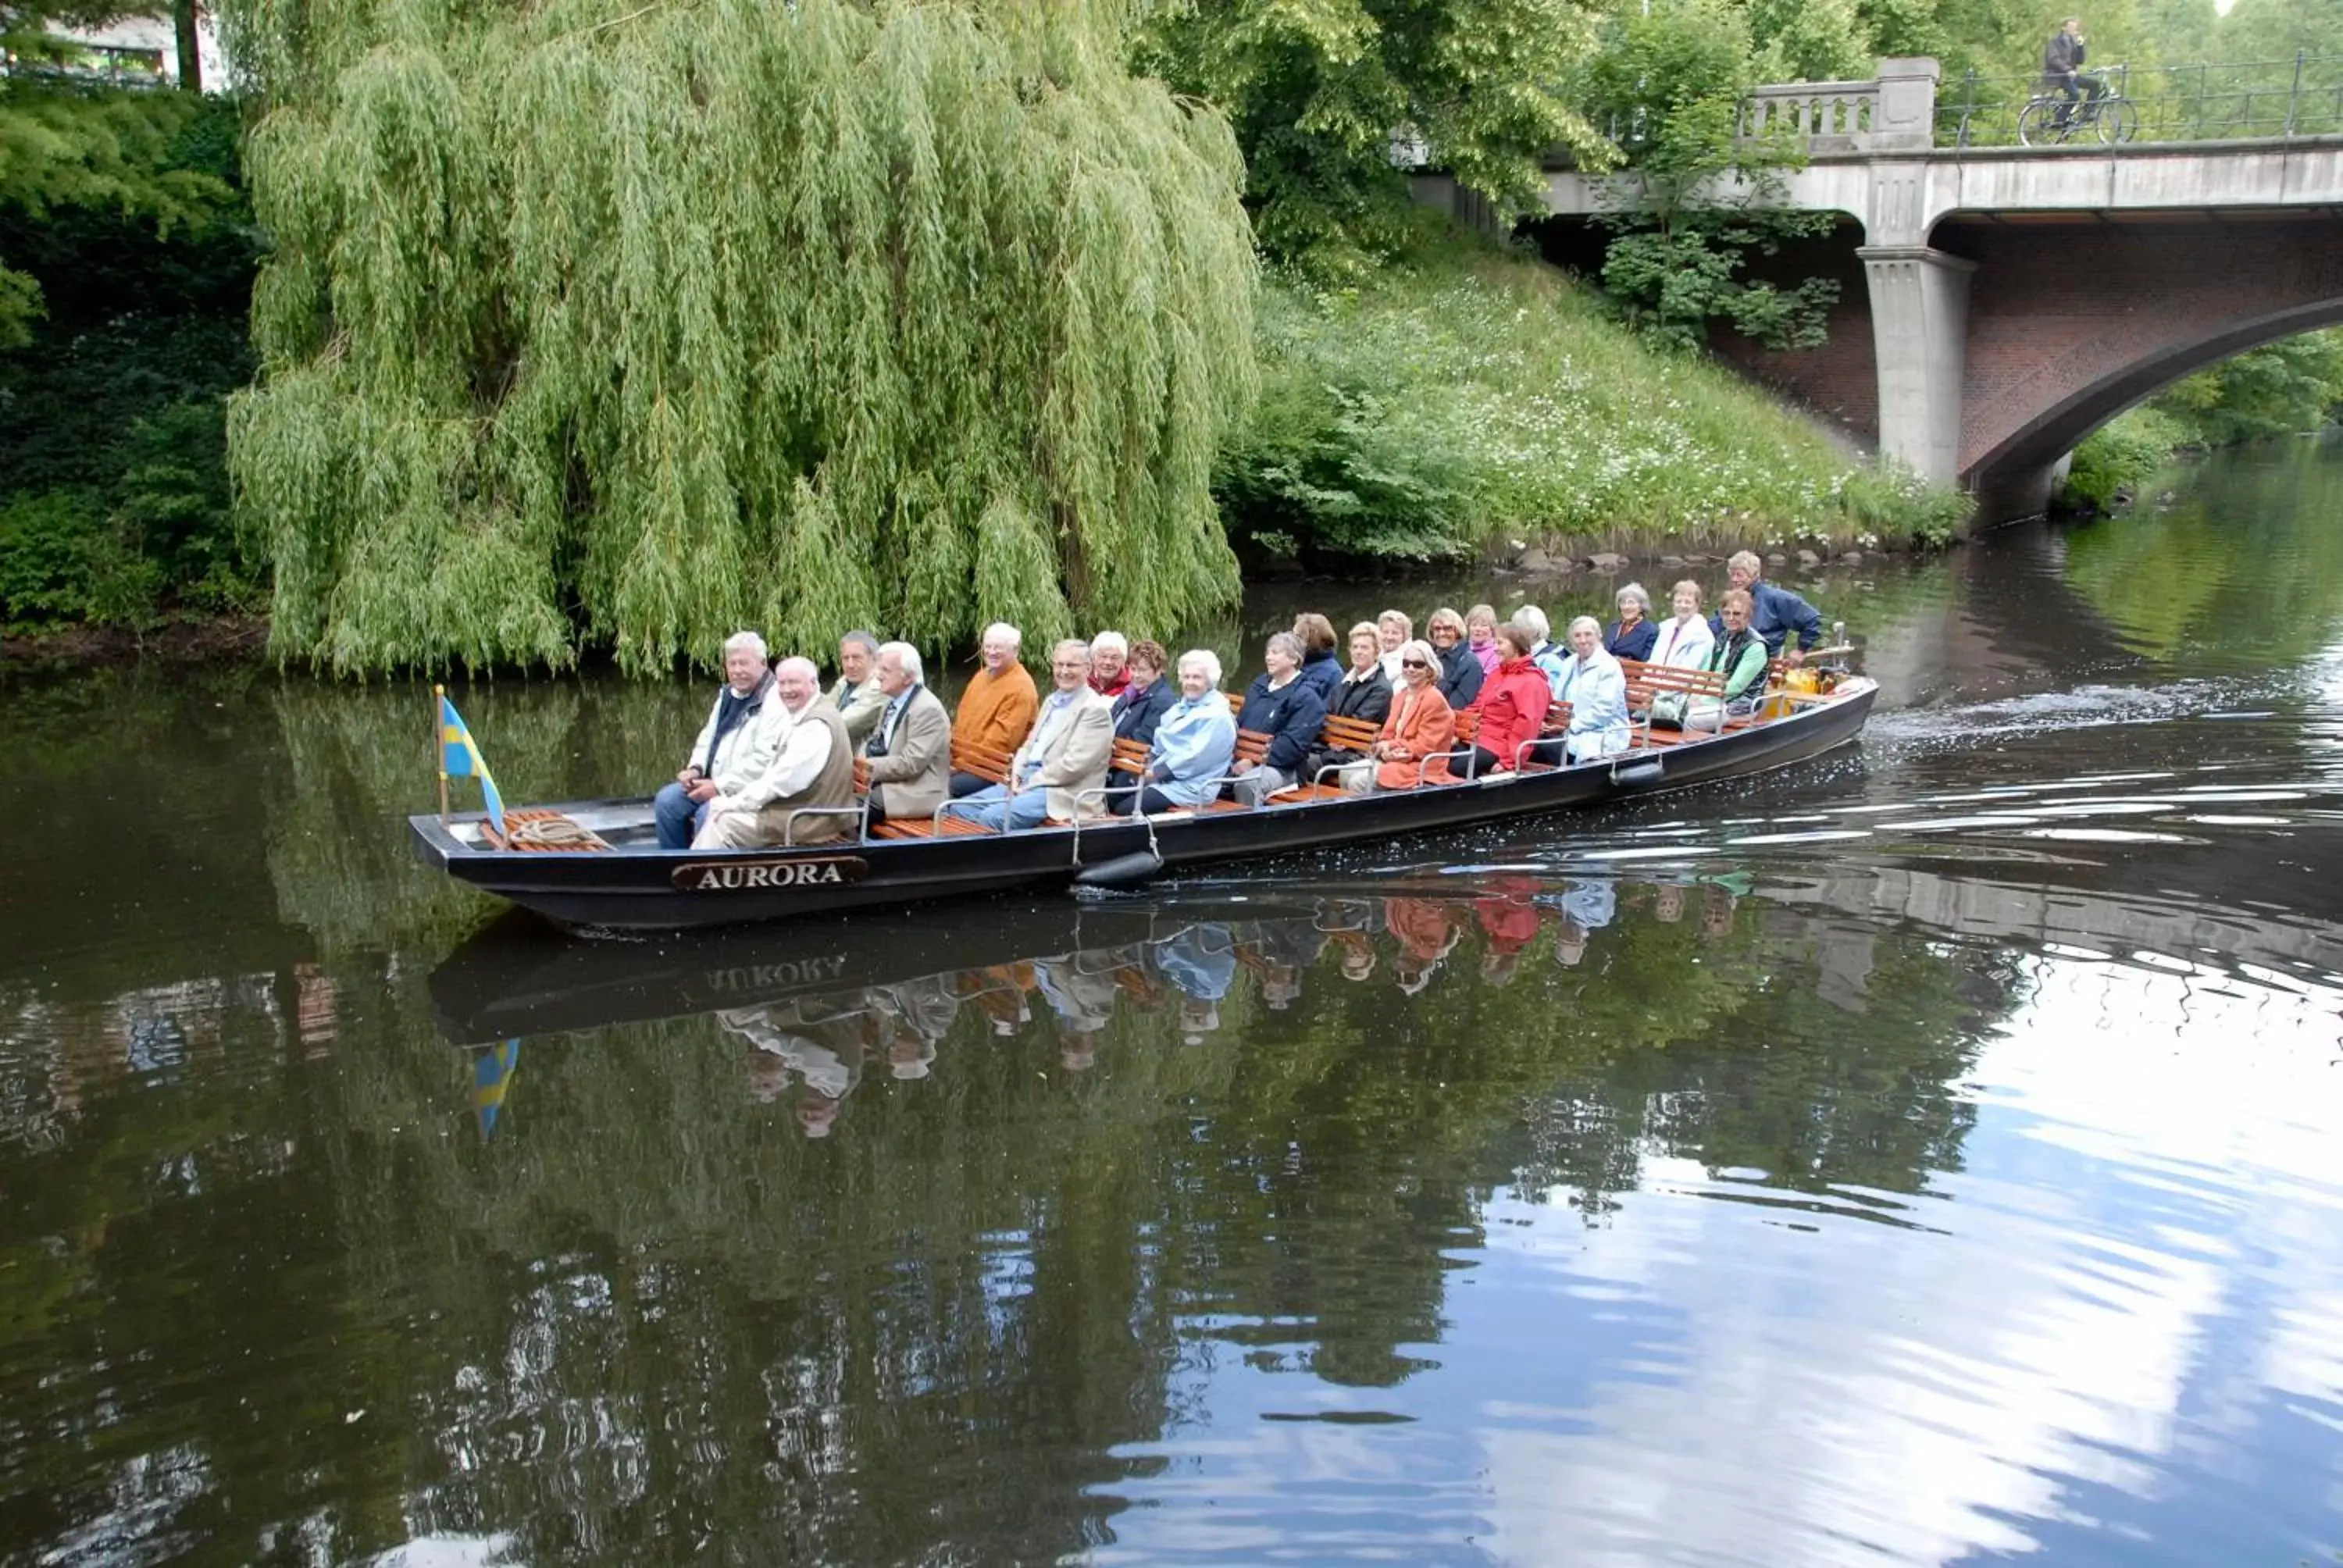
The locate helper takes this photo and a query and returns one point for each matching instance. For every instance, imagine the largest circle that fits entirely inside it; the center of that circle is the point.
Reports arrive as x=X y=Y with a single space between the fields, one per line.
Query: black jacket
x=1460 y=676
x=2062 y=55
x=1289 y=716
x=1369 y=700
x=1138 y=712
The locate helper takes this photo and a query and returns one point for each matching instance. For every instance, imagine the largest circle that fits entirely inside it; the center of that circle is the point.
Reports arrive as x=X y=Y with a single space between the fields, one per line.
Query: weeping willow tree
x=599 y=322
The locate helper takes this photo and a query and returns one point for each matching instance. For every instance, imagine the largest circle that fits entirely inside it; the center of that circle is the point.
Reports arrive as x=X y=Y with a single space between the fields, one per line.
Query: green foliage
x=112 y=442
x=1695 y=204
x=1468 y=396
x=1318 y=90
x=64 y=147
x=2119 y=454
x=2277 y=390
x=585 y=319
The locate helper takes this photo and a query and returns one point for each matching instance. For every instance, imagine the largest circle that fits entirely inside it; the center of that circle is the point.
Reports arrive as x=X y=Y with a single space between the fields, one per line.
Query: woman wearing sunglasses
x=1420 y=727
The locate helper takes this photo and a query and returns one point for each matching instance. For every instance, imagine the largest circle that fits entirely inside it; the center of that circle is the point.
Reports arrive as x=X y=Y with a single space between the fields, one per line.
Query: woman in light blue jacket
x=1189 y=758
x=1594 y=686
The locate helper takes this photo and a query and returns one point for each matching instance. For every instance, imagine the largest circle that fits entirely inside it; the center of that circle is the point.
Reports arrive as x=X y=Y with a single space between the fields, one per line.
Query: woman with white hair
x=1683 y=639
x=1633 y=634
x=1596 y=689
x=1193 y=743
x=1109 y=664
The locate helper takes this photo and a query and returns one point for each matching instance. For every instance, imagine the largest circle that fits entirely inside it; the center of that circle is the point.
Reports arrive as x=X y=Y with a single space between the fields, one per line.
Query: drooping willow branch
x=915 y=315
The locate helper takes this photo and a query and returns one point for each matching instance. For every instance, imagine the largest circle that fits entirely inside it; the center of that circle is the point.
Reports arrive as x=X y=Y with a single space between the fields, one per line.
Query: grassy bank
x=1469 y=397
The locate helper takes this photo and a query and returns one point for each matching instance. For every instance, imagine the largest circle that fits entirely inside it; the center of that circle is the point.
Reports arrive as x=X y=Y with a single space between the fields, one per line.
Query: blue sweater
x=1636 y=644
x=1324 y=673
x=1774 y=613
x=1193 y=744
x=1290 y=716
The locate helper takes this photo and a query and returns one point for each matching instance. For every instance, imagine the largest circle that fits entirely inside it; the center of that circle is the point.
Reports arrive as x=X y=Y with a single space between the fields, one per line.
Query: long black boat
x=636 y=886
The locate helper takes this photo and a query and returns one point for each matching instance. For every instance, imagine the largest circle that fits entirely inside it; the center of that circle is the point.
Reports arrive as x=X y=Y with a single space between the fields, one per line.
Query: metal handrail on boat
x=790 y=822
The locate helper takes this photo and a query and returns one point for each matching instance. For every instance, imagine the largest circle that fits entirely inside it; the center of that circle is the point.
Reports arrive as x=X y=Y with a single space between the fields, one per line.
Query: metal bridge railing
x=2300 y=96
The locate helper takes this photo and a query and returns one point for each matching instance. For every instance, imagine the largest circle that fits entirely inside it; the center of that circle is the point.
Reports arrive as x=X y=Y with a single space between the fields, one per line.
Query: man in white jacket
x=737 y=743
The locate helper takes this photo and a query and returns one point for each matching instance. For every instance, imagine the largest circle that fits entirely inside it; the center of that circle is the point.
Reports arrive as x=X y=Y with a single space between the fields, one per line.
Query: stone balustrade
x=1894 y=111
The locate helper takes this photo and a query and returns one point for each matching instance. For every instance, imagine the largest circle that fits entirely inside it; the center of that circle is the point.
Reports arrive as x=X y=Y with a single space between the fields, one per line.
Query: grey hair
x=1110 y=642
x=1634 y=591
x=1293 y=645
x=1532 y=619
x=1016 y=638
x=1745 y=558
x=1064 y=643
x=797 y=665
x=869 y=641
x=740 y=640
x=905 y=655
x=1417 y=648
x=1205 y=659
x=1577 y=621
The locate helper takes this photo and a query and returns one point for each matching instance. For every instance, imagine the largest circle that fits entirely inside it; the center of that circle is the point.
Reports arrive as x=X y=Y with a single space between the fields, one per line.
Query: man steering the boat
x=1776 y=612
x=806 y=796
x=736 y=744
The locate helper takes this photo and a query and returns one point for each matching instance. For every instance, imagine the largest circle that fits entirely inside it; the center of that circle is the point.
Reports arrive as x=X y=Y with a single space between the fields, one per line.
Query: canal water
x=1929 y=1155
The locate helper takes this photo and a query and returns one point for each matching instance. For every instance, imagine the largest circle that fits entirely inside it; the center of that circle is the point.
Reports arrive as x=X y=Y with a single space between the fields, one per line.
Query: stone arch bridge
x=2014 y=299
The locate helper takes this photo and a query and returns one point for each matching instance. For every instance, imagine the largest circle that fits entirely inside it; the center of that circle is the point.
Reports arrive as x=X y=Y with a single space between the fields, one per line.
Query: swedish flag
x=492 y=1075
x=459 y=758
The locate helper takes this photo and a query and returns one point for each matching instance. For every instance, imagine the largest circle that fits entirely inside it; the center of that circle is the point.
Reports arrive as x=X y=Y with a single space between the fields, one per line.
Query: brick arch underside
x=2071 y=324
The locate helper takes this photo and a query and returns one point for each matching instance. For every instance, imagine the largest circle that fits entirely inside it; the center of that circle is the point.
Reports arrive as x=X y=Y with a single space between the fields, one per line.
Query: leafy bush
x=2119 y=454
x=1467 y=396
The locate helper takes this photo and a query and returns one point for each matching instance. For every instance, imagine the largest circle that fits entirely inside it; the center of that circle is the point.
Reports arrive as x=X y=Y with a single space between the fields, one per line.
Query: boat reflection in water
x=820 y=1022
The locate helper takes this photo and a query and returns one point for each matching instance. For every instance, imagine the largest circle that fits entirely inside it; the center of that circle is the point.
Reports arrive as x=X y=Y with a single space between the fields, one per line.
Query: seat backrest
x=1468 y=726
x=1646 y=680
x=1131 y=756
x=968 y=756
x=1252 y=746
x=1349 y=734
x=1557 y=720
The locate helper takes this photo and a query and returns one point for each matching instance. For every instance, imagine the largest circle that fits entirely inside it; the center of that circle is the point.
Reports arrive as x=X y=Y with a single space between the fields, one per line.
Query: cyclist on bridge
x=2063 y=73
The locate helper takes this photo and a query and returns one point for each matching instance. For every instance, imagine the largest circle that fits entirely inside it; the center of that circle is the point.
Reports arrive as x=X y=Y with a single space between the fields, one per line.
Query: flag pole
x=439 y=744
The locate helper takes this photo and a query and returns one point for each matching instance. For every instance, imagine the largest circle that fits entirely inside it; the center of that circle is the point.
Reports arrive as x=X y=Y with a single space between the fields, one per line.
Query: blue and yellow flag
x=459 y=758
x=491 y=1076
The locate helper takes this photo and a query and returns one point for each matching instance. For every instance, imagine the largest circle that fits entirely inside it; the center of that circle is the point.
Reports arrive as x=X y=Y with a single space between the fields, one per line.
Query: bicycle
x=2052 y=119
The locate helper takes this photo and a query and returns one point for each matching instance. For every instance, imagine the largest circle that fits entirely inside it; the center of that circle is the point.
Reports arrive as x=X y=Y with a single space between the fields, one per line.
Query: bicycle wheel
x=2118 y=120
x=2037 y=124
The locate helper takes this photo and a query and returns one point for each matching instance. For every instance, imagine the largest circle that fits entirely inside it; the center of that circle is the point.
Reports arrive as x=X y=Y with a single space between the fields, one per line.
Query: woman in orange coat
x=1420 y=724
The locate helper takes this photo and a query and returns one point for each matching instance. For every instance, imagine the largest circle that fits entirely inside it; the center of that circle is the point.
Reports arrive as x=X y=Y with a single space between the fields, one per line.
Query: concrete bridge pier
x=1920 y=326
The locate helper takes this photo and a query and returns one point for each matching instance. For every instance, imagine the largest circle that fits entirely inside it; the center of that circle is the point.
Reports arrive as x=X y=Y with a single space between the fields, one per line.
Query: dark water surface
x=1929 y=1155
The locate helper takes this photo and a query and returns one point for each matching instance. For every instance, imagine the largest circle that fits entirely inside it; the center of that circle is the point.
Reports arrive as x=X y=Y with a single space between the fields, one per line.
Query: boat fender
x=1634 y=773
x=1122 y=871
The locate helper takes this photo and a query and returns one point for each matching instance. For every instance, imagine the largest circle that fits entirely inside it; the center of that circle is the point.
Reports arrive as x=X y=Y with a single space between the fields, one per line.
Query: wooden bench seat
x=924 y=827
x=968 y=756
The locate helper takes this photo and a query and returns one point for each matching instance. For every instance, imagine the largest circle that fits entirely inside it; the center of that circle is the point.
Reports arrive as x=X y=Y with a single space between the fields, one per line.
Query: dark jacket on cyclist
x=2062 y=57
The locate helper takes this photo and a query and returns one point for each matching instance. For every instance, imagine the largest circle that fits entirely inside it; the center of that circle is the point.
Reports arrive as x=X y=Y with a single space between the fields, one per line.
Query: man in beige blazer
x=908 y=753
x=1062 y=761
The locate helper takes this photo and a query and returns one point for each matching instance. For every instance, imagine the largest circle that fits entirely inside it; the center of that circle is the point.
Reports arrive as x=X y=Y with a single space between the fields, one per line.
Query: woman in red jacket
x=1513 y=703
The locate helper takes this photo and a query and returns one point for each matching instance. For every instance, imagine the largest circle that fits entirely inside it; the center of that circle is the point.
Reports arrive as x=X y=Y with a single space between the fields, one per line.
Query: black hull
x=639 y=890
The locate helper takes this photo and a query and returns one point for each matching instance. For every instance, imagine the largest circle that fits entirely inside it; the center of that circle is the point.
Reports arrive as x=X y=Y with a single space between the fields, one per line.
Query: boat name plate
x=765 y=876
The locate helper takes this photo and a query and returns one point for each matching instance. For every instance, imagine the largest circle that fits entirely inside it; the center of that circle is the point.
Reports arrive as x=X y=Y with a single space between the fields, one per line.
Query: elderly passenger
x=909 y=754
x=1282 y=705
x=1364 y=694
x=1774 y=612
x=1320 y=667
x=735 y=744
x=1596 y=689
x=1137 y=713
x=997 y=709
x=1683 y=639
x=1061 y=769
x=856 y=693
x=1512 y=705
x=811 y=775
x=1459 y=672
x=1195 y=742
x=1481 y=636
x=1392 y=630
x=1740 y=655
x=1109 y=664
x=1633 y=634
x=1532 y=619
x=1418 y=729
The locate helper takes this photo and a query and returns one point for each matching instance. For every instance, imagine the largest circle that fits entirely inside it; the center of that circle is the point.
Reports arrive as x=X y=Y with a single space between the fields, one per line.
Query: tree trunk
x=191 y=59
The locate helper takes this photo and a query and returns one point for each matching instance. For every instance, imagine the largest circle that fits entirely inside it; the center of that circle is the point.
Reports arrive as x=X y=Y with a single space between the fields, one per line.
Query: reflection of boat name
x=742 y=877
x=758 y=977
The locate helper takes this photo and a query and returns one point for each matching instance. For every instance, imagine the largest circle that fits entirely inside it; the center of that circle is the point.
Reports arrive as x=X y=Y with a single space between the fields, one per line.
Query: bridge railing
x=2298 y=96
